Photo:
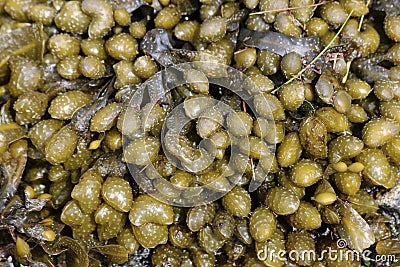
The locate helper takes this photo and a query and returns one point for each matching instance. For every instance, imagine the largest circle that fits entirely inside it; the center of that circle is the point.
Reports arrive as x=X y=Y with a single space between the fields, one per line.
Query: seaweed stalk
x=317 y=57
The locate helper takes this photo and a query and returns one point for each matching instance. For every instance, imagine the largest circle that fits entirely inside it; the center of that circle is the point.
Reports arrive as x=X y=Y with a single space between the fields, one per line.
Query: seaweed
x=25 y=41
x=86 y=255
x=157 y=43
x=52 y=88
x=5 y=114
x=76 y=248
x=113 y=253
x=369 y=69
x=141 y=258
x=389 y=202
x=354 y=229
x=391 y=7
x=129 y=5
x=81 y=118
x=110 y=164
x=188 y=7
x=24 y=217
x=233 y=22
x=12 y=164
x=317 y=57
x=279 y=43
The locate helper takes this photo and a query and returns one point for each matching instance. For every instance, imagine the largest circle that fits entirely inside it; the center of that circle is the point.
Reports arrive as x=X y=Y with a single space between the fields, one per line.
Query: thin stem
x=17 y=52
x=24 y=49
x=317 y=57
x=360 y=24
x=244 y=106
x=4 y=61
x=253 y=173
x=348 y=64
x=362 y=18
x=290 y=8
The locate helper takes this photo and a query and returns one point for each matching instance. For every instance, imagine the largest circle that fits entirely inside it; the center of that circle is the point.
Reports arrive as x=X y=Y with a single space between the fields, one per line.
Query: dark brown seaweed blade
x=129 y=5
x=74 y=246
x=81 y=118
x=25 y=219
x=110 y=164
x=390 y=198
x=369 y=69
x=233 y=22
x=156 y=43
x=372 y=73
x=6 y=251
x=391 y=7
x=54 y=84
x=389 y=202
x=278 y=43
x=11 y=170
x=188 y=7
x=141 y=258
